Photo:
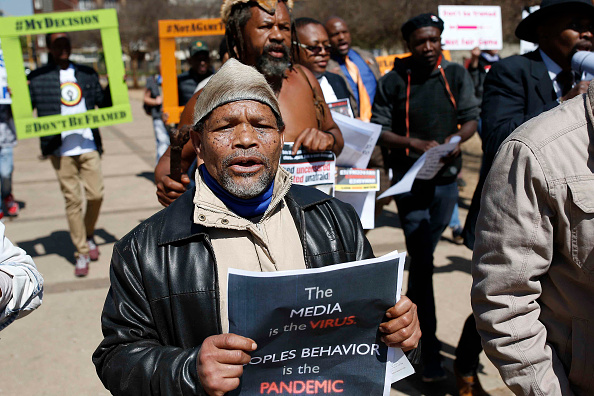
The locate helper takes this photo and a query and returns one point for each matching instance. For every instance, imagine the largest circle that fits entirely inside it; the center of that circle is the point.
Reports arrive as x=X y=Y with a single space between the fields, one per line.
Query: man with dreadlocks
x=260 y=34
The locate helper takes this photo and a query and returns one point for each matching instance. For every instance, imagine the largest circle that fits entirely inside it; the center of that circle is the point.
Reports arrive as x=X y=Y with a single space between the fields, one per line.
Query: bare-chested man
x=260 y=35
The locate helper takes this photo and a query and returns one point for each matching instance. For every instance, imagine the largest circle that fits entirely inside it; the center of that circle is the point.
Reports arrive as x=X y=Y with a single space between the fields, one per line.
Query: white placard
x=364 y=204
x=467 y=27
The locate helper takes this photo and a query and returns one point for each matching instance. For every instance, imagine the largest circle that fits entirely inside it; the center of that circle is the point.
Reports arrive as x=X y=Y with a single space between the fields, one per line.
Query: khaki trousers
x=71 y=171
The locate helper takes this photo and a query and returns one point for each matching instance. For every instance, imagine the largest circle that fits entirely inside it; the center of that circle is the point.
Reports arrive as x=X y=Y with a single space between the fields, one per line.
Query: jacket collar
x=177 y=220
x=305 y=197
x=539 y=71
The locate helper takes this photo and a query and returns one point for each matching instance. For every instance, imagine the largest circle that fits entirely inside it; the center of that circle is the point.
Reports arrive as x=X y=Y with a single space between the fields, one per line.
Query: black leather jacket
x=163 y=300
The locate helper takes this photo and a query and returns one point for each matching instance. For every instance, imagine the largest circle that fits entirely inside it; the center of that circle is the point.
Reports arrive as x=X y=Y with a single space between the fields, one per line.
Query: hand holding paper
x=425 y=168
x=422 y=146
x=403 y=331
x=314 y=140
x=220 y=362
x=452 y=155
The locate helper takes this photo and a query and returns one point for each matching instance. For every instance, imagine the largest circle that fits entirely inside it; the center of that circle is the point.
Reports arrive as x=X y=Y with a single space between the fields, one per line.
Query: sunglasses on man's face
x=314 y=49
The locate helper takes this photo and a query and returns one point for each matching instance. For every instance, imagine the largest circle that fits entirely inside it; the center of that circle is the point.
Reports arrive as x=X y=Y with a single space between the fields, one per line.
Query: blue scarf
x=243 y=207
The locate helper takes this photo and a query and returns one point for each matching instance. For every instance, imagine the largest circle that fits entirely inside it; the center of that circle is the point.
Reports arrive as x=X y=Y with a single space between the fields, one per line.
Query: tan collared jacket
x=533 y=263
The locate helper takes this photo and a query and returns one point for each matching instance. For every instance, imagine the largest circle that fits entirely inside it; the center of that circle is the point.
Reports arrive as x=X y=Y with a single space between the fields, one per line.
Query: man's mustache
x=246 y=153
x=276 y=47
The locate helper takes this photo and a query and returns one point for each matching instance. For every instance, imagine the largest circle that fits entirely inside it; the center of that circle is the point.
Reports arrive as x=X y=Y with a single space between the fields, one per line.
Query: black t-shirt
x=432 y=115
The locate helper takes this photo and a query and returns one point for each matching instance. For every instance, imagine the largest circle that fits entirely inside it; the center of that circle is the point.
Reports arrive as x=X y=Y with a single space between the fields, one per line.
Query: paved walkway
x=49 y=352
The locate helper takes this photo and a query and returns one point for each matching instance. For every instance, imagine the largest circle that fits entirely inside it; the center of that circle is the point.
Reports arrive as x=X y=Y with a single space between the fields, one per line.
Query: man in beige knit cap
x=165 y=320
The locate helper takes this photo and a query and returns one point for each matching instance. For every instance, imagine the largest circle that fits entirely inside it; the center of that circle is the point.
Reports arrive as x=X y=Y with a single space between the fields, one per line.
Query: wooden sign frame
x=169 y=30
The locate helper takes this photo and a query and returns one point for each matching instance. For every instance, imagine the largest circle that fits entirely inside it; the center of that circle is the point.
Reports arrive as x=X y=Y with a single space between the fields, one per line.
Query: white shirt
x=77 y=141
x=327 y=90
x=554 y=69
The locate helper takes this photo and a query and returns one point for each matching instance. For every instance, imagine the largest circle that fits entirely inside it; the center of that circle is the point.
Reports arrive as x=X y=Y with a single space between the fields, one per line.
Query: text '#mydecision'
x=46 y=23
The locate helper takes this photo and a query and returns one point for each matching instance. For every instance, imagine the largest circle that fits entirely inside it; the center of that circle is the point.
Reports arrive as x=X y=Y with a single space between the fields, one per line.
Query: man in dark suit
x=314 y=53
x=518 y=89
x=521 y=87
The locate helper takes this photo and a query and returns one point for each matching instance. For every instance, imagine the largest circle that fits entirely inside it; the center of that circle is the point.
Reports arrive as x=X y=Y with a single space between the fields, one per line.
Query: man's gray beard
x=251 y=189
x=272 y=67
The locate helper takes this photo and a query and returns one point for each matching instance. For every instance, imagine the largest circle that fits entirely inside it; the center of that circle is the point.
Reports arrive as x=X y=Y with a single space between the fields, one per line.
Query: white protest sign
x=309 y=169
x=358 y=187
x=467 y=27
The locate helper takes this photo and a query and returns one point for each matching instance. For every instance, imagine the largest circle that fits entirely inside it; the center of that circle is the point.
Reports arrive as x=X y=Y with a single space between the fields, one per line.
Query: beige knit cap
x=267 y=5
x=234 y=82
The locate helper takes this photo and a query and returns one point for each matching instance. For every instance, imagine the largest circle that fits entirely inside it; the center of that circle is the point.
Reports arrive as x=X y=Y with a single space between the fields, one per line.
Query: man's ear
x=196 y=141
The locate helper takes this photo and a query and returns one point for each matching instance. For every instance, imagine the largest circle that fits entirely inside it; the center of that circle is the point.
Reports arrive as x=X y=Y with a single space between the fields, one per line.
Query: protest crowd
x=286 y=146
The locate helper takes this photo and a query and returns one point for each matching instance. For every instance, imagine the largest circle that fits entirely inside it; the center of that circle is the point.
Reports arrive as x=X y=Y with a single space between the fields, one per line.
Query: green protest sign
x=104 y=20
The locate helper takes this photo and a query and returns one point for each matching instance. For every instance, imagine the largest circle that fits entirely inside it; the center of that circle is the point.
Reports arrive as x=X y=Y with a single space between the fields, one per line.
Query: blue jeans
x=455 y=220
x=161 y=137
x=6 y=168
x=424 y=213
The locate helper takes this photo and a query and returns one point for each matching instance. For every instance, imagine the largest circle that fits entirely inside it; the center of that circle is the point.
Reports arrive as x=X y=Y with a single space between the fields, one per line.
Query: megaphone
x=583 y=61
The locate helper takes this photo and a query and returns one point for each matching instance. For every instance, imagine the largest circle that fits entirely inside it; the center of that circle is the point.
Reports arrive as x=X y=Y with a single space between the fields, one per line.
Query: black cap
x=421 y=21
x=526 y=30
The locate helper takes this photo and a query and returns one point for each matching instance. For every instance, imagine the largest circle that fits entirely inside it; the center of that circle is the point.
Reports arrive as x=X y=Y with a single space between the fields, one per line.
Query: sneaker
x=82 y=265
x=457 y=235
x=12 y=207
x=433 y=372
x=469 y=385
x=93 y=249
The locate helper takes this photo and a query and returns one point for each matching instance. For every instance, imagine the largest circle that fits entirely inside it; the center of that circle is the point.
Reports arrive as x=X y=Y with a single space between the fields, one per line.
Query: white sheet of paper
x=398 y=366
x=425 y=168
x=350 y=155
x=364 y=204
x=405 y=184
x=361 y=138
x=433 y=157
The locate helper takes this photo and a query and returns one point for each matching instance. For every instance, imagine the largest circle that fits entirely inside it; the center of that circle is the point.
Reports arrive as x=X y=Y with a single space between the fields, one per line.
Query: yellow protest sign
x=386 y=62
x=11 y=28
x=169 y=30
